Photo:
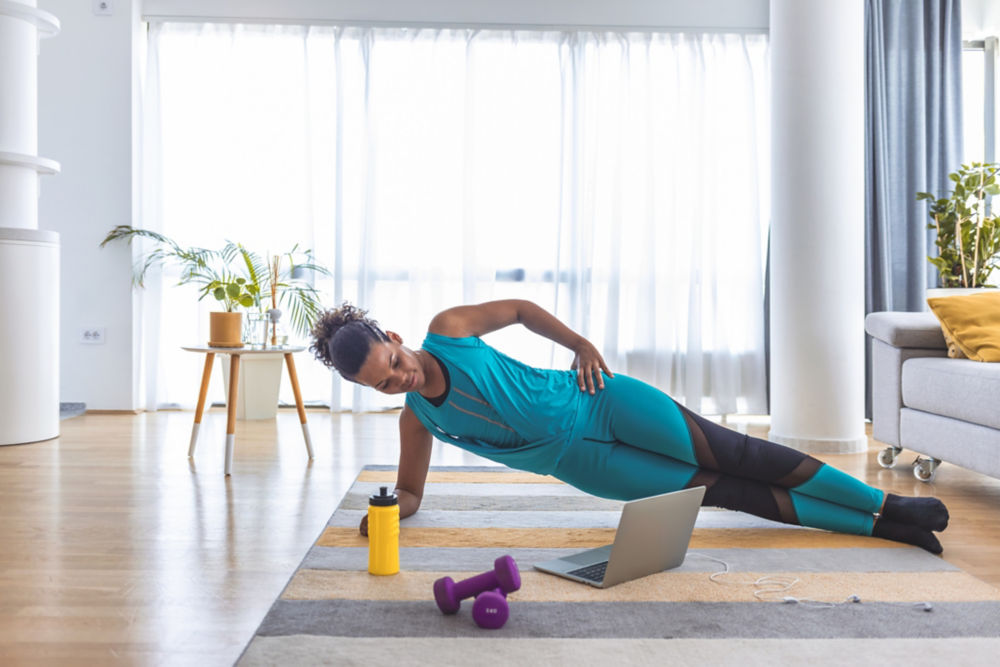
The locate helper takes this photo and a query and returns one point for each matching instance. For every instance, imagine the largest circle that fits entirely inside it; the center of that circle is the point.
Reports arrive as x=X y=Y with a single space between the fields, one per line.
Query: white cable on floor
x=766 y=585
x=779 y=584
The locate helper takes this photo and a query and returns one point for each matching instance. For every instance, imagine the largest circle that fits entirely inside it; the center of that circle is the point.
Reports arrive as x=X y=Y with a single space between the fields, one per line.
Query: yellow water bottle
x=383 y=533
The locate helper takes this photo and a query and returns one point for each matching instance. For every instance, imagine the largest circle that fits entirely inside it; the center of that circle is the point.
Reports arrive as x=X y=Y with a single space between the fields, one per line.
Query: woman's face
x=391 y=368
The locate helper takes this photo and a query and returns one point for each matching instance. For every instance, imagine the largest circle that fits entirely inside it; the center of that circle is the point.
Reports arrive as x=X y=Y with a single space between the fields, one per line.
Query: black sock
x=928 y=513
x=908 y=533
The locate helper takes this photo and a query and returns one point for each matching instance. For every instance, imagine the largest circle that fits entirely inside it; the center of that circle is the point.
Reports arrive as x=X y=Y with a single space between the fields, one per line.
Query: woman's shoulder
x=436 y=338
x=449 y=324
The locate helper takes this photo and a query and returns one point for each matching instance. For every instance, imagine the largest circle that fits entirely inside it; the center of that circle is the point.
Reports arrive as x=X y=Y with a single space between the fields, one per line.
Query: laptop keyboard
x=592 y=572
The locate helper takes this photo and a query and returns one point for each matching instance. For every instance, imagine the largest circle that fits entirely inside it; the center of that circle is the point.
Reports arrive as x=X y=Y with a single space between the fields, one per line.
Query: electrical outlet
x=92 y=335
x=102 y=7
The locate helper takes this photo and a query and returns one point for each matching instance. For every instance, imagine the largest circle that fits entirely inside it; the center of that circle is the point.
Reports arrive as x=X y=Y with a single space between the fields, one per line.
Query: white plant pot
x=258 y=384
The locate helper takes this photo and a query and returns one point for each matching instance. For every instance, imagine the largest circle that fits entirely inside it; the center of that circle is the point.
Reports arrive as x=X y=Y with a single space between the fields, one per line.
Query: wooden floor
x=116 y=549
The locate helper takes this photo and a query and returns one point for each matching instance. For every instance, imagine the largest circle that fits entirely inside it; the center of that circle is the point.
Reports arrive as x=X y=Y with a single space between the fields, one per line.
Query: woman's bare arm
x=484 y=318
x=415 y=443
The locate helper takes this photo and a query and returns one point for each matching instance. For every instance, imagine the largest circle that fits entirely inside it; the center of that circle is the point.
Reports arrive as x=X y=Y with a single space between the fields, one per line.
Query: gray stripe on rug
x=493 y=649
x=510 y=519
x=493 y=468
x=481 y=489
x=705 y=620
x=707 y=518
x=445 y=559
x=514 y=501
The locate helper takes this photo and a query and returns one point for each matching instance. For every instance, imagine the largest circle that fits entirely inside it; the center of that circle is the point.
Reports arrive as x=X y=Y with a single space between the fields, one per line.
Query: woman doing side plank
x=606 y=434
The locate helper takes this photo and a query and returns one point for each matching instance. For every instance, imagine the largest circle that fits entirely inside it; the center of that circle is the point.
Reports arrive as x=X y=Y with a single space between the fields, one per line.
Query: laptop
x=653 y=535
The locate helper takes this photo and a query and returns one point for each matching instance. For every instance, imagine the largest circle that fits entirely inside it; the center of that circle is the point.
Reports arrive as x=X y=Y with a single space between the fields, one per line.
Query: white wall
x=85 y=92
x=86 y=122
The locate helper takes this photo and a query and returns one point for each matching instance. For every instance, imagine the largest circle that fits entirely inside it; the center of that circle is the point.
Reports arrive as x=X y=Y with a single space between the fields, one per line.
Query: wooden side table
x=234 y=374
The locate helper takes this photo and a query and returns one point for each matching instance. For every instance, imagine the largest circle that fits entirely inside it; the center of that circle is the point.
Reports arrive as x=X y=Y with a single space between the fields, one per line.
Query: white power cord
x=765 y=586
x=772 y=585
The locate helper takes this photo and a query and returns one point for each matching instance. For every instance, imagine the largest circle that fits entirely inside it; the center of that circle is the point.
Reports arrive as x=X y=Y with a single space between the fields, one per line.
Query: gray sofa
x=945 y=409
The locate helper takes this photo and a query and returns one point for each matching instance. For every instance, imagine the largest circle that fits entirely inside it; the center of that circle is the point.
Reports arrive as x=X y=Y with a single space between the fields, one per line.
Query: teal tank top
x=463 y=410
x=535 y=409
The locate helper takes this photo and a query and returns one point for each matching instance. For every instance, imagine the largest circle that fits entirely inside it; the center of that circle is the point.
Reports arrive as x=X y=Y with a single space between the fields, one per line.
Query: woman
x=611 y=436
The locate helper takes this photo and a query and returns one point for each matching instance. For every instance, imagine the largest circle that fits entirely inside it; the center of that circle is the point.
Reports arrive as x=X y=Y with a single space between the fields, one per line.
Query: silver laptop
x=653 y=535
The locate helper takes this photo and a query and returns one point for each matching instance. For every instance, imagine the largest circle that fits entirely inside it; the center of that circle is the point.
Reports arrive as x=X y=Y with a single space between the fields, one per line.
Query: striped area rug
x=333 y=612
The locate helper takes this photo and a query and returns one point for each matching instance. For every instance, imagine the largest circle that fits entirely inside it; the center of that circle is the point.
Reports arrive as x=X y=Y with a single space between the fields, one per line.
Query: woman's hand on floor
x=588 y=365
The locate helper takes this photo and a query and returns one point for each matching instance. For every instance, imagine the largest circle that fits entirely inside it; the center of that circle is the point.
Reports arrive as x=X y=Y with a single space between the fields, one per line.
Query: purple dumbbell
x=490 y=609
x=449 y=594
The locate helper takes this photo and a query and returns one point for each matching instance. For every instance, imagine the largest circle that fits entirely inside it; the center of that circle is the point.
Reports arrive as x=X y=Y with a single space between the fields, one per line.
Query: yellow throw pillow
x=971 y=322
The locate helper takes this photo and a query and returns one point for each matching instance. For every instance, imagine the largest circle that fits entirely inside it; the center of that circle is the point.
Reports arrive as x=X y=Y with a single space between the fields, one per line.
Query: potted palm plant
x=968 y=234
x=240 y=281
x=281 y=282
x=236 y=277
x=207 y=269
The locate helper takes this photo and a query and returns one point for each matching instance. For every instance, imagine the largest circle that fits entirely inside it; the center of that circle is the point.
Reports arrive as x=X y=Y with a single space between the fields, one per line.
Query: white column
x=817 y=232
x=21 y=24
x=29 y=257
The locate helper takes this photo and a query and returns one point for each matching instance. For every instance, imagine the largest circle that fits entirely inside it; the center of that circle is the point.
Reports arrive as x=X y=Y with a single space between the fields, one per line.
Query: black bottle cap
x=383 y=499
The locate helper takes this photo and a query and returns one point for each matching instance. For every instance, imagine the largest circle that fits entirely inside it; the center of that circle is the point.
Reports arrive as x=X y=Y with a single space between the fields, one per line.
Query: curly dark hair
x=342 y=337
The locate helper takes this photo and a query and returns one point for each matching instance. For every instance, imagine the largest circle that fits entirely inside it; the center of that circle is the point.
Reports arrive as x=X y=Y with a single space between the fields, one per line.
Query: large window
x=617 y=179
x=979 y=102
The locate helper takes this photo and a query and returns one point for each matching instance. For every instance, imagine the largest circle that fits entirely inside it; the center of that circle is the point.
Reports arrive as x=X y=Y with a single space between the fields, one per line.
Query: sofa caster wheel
x=924 y=469
x=887 y=457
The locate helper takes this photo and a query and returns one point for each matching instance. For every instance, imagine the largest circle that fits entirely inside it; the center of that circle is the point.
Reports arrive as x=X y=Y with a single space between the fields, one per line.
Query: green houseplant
x=234 y=276
x=968 y=234
x=282 y=280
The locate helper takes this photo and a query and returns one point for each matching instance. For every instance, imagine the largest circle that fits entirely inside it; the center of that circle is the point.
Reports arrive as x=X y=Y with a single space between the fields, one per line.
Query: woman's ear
x=394 y=337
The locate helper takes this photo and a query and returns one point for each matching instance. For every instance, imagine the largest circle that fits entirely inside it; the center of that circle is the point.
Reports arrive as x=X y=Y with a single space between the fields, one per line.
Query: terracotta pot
x=225 y=329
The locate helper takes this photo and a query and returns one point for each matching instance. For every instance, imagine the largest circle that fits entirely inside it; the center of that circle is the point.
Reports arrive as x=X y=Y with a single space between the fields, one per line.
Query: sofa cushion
x=958 y=388
x=972 y=322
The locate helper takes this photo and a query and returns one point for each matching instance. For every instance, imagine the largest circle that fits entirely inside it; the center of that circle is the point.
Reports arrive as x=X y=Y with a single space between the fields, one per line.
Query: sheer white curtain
x=618 y=179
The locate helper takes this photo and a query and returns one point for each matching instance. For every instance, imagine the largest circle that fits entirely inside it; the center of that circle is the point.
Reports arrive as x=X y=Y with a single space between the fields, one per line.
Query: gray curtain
x=913 y=136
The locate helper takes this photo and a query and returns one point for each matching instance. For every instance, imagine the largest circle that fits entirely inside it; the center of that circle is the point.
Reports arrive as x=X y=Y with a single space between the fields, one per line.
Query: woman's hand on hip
x=588 y=365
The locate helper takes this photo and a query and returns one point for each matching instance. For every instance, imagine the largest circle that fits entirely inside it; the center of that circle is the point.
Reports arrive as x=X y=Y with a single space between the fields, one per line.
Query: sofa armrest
x=906 y=330
x=897 y=337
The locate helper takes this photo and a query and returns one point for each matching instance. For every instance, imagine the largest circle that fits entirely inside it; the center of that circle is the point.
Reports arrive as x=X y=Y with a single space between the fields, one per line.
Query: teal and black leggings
x=635 y=441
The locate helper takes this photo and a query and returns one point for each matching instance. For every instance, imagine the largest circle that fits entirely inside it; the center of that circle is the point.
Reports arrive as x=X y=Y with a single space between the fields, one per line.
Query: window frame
x=989 y=47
